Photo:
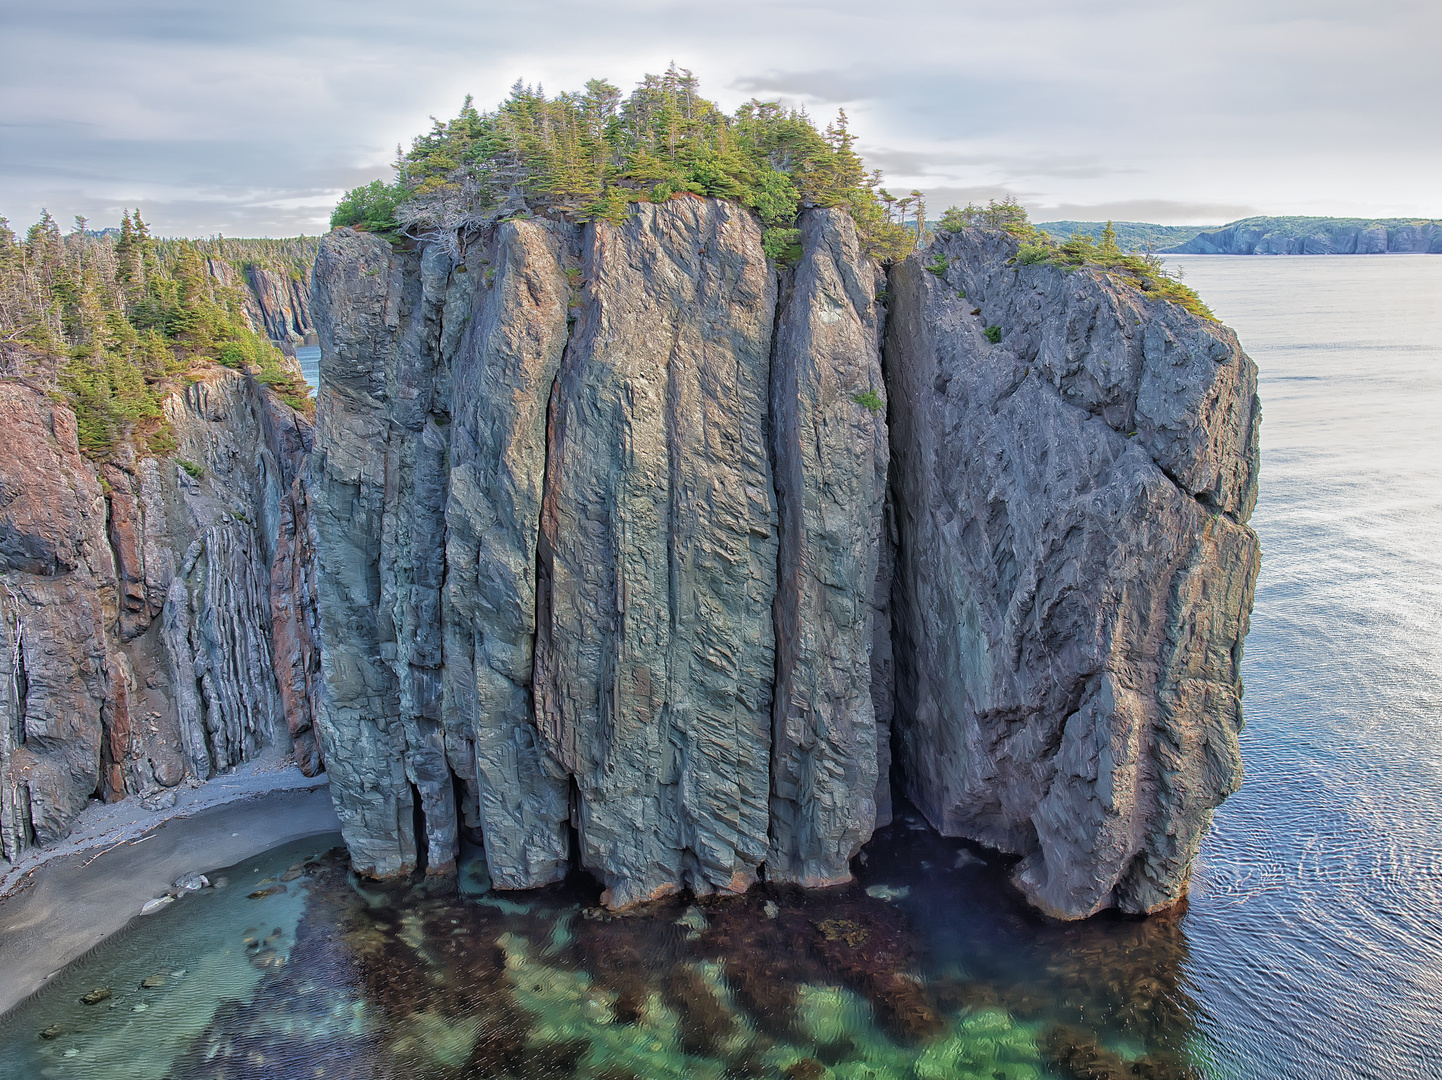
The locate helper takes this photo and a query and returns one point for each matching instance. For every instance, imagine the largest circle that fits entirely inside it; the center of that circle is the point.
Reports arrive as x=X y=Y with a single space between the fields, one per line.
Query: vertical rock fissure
x=682 y=529
x=784 y=642
x=16 y=829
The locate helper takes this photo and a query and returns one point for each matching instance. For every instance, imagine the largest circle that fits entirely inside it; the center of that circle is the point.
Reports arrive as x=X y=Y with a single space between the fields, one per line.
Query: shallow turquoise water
x=1311 y=947
x=875 y=981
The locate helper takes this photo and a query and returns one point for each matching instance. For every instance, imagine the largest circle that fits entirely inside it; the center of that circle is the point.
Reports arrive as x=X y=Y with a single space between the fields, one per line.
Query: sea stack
x=621 y=533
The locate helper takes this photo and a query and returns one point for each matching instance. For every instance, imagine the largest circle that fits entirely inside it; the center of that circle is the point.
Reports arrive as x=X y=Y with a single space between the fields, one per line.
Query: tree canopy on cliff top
x=116 y=320
x=591 y=154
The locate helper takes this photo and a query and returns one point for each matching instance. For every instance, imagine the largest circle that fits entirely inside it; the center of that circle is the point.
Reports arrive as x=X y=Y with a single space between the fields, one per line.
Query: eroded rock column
x=358 y=293
x=658 y=553
x=503 y=375
x=830 y=449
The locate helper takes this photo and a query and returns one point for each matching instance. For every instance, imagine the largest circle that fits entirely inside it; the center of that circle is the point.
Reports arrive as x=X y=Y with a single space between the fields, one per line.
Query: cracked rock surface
x=627 y=542
x=1074 y=573
x=136 y=610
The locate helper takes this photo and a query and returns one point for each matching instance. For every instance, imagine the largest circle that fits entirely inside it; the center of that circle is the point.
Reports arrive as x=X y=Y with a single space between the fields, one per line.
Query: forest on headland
x=116 y=320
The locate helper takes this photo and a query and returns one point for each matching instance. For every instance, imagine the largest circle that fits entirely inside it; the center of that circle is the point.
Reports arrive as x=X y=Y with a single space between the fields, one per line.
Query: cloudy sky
x=250 y=118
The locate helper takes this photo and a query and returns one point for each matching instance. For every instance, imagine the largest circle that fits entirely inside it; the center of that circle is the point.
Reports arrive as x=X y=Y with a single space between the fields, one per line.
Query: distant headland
x=1270 y=236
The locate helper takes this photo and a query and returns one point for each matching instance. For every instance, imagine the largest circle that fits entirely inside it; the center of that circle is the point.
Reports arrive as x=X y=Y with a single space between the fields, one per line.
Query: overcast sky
x=250 y=118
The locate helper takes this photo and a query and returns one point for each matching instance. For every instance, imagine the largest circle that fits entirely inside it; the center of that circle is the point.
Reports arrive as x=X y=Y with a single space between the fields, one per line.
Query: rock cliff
x=275 y=303
x=1073 y=574
x=1316 y=236
x=549 y=557
x=136 y=613
x=631 y=550
x=616 y=546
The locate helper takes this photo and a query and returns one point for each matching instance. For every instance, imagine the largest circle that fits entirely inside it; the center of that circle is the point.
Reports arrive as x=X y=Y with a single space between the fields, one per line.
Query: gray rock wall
x=1074 y=572
x=654 y=667
x=359 y=287
x=136 y=605
x=518 y=797
x=831 y=456
x=621 y=535
x=568 y=440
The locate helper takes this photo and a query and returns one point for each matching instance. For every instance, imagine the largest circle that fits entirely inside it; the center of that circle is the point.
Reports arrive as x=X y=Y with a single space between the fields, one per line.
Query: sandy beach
x=65 y=900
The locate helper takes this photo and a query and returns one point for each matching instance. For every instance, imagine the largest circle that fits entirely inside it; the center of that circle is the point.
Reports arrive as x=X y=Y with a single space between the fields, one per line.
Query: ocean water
x=1310 y=948
x=1315 y=925
x=309 y=357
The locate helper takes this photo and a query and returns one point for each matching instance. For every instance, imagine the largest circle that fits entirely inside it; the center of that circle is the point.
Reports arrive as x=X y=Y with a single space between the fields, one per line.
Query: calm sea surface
x=309 y=357
x=1315 y=926
x=1311 y=947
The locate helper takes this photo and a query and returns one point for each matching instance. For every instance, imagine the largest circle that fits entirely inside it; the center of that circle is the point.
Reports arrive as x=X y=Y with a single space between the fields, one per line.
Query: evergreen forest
x=116 y=320
x=592 y=154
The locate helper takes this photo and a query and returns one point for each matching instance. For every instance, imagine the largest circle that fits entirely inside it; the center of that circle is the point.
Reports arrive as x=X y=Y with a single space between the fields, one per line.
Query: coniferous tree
x=591 y=154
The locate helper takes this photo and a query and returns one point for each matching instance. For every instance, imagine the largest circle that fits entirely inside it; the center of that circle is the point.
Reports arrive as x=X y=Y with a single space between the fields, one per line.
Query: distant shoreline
x=1269 y=236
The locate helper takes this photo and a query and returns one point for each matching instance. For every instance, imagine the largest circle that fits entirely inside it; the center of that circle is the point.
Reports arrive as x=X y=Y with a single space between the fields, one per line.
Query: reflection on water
x=1316 y=919
x=927 y=967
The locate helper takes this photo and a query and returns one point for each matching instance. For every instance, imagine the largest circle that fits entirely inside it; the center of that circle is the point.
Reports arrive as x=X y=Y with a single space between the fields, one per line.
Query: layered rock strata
x=1074 y=572
x=137 y=597
x=275 y=303
x=548 y=549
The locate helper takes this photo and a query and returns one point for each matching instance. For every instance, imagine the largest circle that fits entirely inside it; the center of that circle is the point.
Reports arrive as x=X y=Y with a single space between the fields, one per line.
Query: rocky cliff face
x=276 y=304
x=618 y=547
x=630 y=550
x=136 y=612
x=831 y=456
x=548 y=546
x=1074 y=572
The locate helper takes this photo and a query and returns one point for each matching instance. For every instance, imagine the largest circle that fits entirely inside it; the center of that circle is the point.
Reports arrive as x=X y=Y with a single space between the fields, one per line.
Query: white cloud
x=248 y=118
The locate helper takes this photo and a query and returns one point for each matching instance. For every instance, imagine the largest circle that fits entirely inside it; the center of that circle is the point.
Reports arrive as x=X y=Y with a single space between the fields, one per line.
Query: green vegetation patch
x=1103 y=253
x=1145 y=272
x=871 y=399
x=118 y=320
x=594 y=153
